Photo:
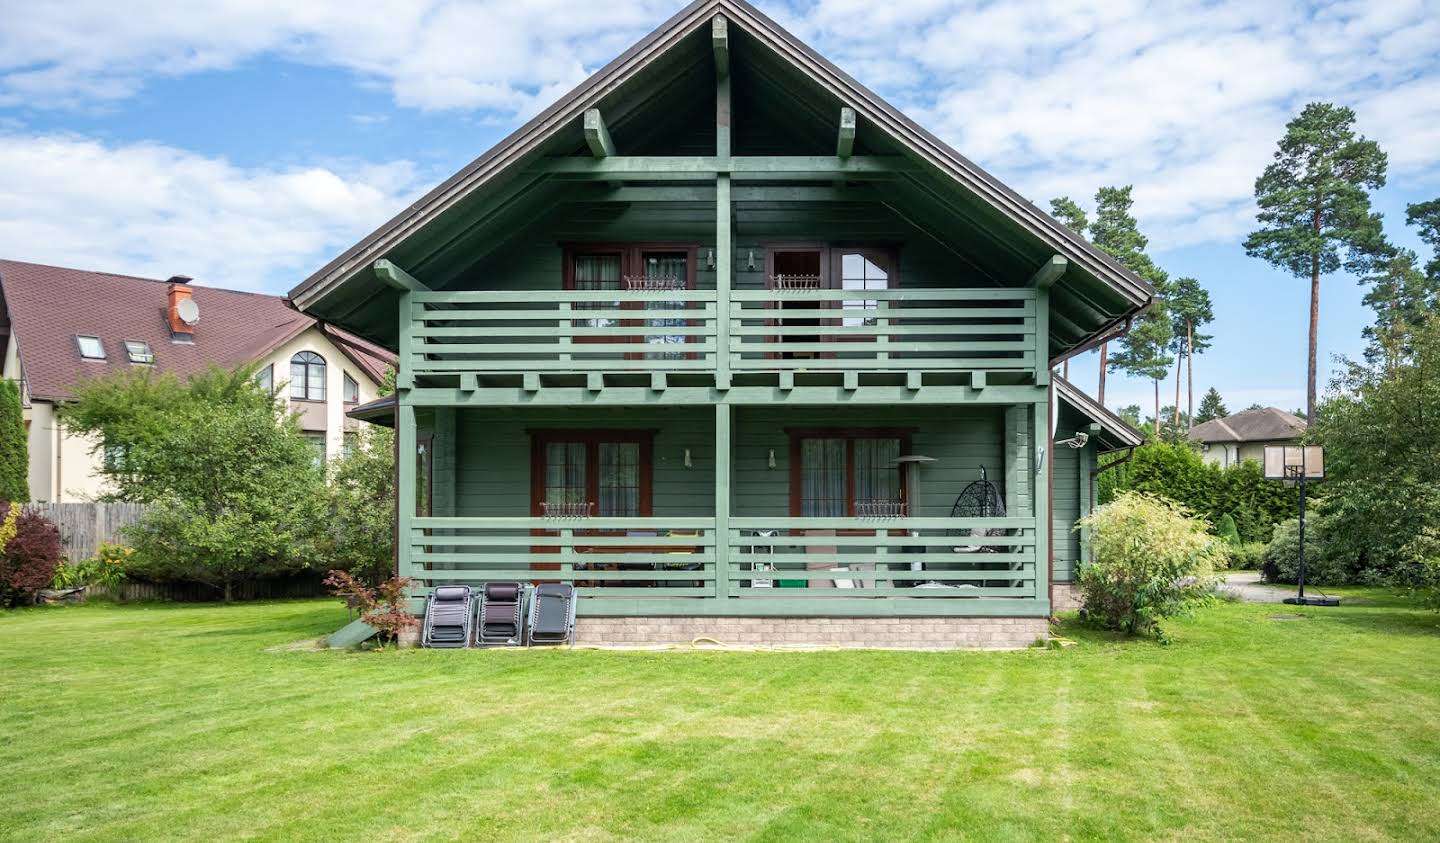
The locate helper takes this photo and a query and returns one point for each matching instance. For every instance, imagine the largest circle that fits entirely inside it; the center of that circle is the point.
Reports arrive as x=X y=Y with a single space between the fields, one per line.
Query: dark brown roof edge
x=1117 y=426
x=937 y=152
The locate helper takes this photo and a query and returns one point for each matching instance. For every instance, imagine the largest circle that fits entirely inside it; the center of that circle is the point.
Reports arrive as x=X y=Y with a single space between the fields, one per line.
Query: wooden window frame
x=831 y=278
x=631 y=256
x=592 y=437
x=850 y=434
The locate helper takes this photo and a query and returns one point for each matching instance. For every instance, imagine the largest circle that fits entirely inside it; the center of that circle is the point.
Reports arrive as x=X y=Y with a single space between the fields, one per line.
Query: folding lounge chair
x=447 y=617
x=552 y=614
x=499 y=614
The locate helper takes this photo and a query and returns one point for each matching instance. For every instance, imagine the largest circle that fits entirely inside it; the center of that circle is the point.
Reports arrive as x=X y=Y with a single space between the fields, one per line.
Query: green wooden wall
x=492 y=452
x=1072 y=470
x=531 y=259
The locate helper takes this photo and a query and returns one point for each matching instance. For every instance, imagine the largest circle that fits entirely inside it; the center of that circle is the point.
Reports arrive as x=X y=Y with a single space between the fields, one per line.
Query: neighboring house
x=64 y=325
x=723 y=337
x=1243 y=436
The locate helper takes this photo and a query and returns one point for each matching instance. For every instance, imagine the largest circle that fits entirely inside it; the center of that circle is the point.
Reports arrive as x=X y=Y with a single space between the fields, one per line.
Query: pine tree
x=1315 y=204
x=1211 y=407
x=14 y=450
x=1116 y=232
x=1190 y=310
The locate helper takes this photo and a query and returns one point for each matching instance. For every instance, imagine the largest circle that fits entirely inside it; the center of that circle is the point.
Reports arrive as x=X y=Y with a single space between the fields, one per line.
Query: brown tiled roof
x=49 y=306
x=1267 y=424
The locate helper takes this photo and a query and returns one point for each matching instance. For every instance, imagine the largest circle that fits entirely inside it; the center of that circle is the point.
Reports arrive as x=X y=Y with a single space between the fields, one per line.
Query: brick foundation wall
x=1064 y=597
x=888 y=633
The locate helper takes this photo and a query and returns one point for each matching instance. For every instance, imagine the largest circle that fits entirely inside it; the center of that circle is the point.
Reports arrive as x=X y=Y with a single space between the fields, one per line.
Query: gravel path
x=1247 y=586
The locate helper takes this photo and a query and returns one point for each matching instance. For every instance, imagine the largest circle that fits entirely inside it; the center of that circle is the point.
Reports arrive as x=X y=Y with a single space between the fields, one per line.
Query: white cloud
x=1183 y=98
x=434 y=54
x=155 y=210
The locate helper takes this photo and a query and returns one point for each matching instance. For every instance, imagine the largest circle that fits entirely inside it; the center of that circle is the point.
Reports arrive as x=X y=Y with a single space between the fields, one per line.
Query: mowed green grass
x=181 y=722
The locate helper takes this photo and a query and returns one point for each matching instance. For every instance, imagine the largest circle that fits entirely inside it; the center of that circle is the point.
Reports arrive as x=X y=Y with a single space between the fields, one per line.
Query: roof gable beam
x=1049 y=272
x=720 y=43
x=597 y=135
x=394 y=276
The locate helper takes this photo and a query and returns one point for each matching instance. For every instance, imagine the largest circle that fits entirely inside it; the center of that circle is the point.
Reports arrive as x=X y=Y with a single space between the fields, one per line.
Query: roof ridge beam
x=720 y=43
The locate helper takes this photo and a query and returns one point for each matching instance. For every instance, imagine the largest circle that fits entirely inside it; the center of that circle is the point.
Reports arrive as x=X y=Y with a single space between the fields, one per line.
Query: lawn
x=176 y=722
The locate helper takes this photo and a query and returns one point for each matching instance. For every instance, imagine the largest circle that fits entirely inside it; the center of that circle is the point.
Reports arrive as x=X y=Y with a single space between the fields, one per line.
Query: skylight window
x=139 y=351
x=91 y=348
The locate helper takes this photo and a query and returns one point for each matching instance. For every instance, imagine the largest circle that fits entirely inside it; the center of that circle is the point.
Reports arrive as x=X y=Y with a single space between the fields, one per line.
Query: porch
x=740 y=511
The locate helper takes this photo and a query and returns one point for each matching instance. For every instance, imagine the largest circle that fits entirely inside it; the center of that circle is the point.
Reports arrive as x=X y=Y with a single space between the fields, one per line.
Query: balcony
x=785 y=329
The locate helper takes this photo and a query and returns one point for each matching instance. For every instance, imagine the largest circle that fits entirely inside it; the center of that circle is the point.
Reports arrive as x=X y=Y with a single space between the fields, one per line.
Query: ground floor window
x=837 y=473
x=601 y=473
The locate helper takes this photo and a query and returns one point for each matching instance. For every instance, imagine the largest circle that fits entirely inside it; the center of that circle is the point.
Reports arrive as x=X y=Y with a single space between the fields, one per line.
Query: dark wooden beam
x=845 y=145
x=720 y=41
x=398 y=278
x=597 y=136
x=1049 y=272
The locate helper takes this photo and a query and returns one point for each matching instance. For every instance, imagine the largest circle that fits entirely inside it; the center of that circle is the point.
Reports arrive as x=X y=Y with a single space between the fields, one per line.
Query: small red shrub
x=29 y=558
x=383 y=607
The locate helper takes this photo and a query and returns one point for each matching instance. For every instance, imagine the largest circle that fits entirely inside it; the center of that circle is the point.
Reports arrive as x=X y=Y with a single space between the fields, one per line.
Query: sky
x=247 y=142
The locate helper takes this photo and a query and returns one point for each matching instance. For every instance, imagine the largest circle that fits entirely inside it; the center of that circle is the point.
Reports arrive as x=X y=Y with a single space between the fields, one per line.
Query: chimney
x=180 y=310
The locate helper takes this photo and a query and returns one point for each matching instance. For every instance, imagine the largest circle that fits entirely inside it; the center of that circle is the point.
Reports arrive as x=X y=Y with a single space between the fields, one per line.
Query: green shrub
x=1247 y=556
x=1226 y=532
x=1282 y=555
x=1150 y=560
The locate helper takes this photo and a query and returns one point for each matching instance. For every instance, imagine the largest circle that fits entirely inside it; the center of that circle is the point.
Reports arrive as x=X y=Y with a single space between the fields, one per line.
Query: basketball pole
x=1301 y=578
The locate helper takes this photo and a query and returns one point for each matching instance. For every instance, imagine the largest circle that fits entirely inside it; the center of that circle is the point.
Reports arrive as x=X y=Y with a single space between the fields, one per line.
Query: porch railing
x=789 y=560
x=667 y=330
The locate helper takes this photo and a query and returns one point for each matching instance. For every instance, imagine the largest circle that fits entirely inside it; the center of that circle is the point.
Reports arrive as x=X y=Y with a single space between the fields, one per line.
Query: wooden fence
x=85 y=526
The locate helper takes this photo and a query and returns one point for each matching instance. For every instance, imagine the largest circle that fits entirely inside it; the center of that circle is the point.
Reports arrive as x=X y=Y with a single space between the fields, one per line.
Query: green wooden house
x=721 y=337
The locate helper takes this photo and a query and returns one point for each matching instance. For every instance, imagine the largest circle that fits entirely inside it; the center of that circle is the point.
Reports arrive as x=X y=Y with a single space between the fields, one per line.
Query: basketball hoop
x=1299 y=464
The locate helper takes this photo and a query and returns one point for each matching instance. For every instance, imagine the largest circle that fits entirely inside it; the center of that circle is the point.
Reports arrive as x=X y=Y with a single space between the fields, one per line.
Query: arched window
x=307 y=376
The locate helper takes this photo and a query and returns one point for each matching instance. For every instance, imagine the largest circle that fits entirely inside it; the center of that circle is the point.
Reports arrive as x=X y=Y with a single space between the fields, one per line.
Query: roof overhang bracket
x=720 y=42
x=597 y=136
x=394 y=276
x=1050 y=272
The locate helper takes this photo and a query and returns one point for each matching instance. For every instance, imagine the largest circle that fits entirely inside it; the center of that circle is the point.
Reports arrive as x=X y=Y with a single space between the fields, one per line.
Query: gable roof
x=1115 y=432
x=935 y=157
x=49 y=306
x=1267 y=424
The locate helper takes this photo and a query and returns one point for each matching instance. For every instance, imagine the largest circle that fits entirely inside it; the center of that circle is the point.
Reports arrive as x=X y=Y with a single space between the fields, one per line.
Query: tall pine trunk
x=1175 y=417
x=1156 y=381
x=1104 y=358
x=1314 y=323
x=1190 y=372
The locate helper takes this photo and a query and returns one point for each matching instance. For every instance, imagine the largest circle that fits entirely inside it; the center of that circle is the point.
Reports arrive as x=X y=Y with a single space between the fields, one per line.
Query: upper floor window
x=352 y=390
x=91 y=348
x=265 y=376
x=307 y=376
x=863 y=269
x=139 y=351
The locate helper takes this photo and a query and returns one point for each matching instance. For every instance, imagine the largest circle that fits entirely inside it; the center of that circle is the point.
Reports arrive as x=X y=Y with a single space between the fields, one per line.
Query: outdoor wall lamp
x=770 y=461
x=710 y=259
x=750 y=260
x=688 y=464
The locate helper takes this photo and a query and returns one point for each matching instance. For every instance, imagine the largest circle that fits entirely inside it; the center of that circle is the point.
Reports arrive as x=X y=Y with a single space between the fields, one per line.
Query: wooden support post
x=597 y=135
x=469 y=382
x=913 y=380
x=532 y=381
x=594 y=381
x=977 y=380
x=845 y=145
x=724 y=258
x=405 y=482
x=787 y=381
x=405 y=343
x=1042 y=445
x=395 y=277
x=657 y=381
x=720 y=42
x=852 y=381
x=1042 y=336
x=722 y=501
